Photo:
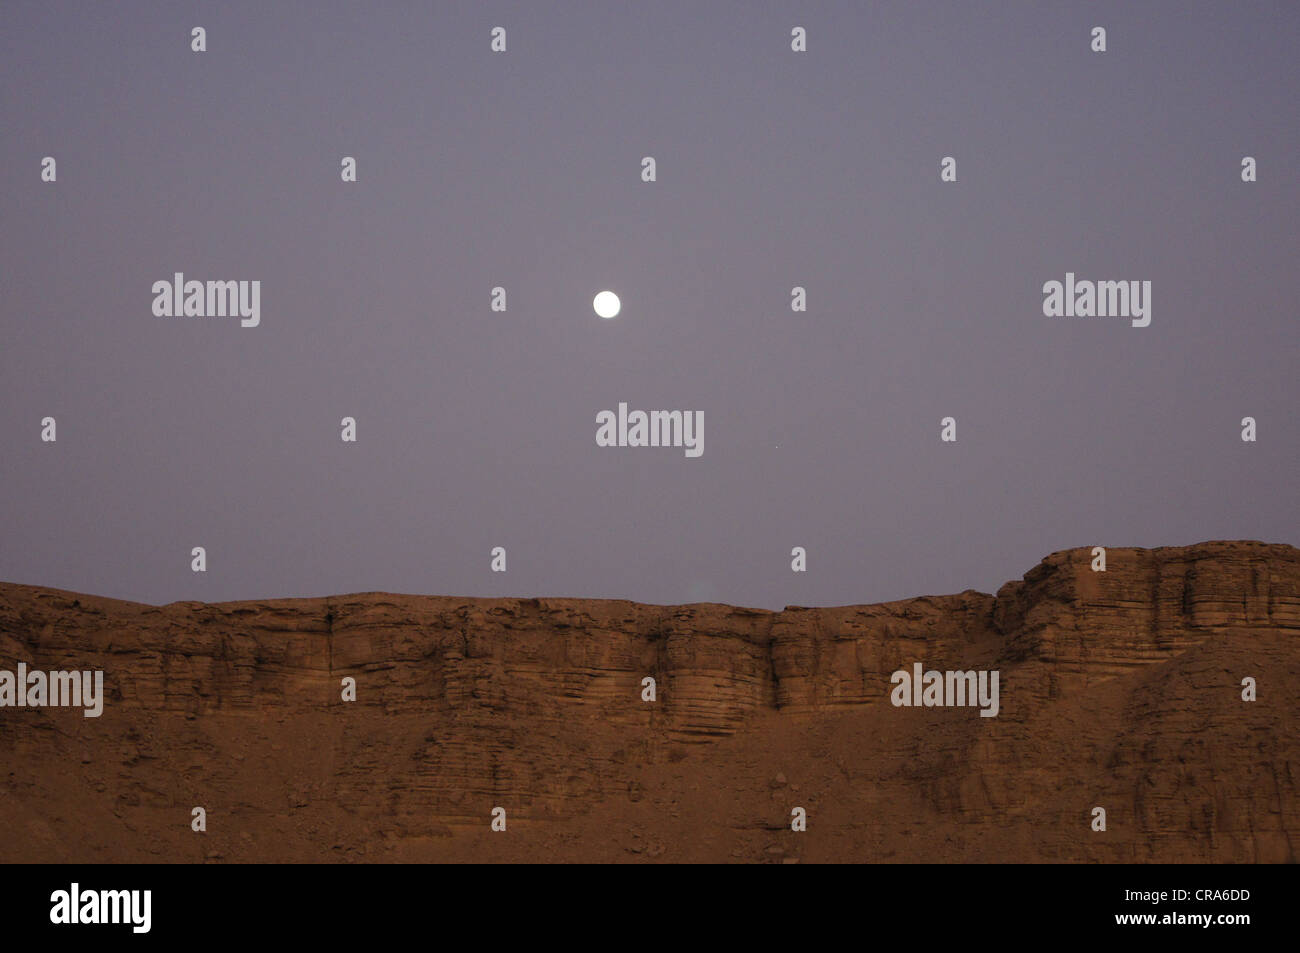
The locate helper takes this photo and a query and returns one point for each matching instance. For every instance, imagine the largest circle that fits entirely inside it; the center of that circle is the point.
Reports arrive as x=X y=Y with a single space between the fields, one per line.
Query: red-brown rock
x=1119 y=689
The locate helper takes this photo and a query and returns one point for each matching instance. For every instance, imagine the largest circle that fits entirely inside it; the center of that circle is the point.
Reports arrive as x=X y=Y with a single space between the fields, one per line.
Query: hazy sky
x=477 y=429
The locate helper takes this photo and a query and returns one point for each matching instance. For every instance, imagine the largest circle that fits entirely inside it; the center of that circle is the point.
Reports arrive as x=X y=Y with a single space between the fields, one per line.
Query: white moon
x=606 y=304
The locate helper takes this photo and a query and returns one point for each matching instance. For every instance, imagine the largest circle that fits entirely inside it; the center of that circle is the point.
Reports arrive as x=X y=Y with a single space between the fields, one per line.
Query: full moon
x=606 y=304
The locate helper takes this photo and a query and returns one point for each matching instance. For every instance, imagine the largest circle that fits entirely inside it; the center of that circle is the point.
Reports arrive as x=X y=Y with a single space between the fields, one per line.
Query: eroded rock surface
x=1119 y=689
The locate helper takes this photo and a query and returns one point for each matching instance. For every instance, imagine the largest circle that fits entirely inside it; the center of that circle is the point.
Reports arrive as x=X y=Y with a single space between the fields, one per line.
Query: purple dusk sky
x=775 y=169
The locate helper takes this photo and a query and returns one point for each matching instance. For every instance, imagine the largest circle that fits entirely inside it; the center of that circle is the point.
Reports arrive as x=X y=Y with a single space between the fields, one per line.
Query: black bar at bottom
x=662 y=904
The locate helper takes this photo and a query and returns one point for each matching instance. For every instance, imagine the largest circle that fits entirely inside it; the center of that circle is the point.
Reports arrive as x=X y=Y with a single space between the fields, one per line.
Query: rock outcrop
x=1119 y=689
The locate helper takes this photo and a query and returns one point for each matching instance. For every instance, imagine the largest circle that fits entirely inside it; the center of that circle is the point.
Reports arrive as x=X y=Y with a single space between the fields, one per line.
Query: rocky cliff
x=1119 y=689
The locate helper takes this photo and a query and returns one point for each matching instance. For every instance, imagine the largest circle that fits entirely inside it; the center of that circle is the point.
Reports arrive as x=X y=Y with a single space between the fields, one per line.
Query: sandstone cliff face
x=1119 y=689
